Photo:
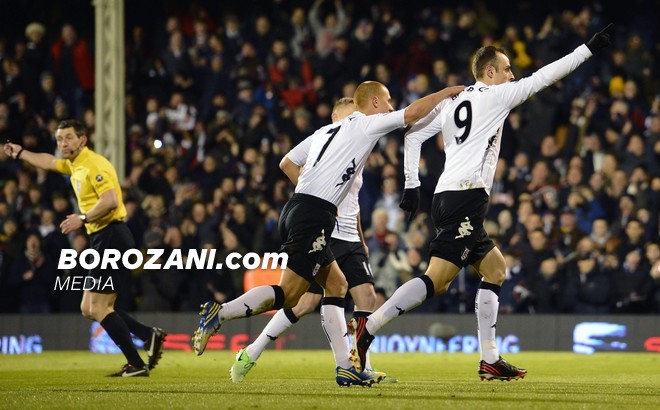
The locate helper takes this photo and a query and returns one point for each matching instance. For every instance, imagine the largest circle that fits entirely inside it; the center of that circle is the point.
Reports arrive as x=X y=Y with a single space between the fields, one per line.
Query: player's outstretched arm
x=515 y=93
x=601 y=39
x=424 y=105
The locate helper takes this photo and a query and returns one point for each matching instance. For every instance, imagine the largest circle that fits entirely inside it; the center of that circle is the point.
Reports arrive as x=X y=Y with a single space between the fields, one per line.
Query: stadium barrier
x=413 y=333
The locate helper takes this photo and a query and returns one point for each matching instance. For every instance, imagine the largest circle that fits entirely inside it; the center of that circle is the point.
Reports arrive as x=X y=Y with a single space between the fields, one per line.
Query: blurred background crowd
x=218 y=92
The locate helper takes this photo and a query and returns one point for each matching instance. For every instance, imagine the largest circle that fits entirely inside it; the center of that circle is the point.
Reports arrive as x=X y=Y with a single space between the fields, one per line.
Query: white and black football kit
x=471 y=124
x=346 y=245
x=337 y=153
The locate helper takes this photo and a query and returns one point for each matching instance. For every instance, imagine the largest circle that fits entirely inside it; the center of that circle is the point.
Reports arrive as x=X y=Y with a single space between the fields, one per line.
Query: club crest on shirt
x=99 y=178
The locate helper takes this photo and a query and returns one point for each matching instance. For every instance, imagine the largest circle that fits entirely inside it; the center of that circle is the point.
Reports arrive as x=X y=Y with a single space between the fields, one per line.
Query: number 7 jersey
x=471 y=125
x=338 y=152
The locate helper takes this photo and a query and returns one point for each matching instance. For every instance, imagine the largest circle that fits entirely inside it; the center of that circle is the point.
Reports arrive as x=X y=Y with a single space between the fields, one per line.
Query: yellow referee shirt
x=92 y=175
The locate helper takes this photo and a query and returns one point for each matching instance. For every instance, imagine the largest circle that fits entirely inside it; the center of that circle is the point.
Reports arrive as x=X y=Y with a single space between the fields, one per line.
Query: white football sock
x=276 y=327
x=407 y=297
x=486 y=308
x=253 y=302
x=334 y=326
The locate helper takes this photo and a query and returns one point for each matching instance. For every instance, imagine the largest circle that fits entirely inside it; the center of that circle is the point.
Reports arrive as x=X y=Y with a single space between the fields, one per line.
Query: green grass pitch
x=305 y=379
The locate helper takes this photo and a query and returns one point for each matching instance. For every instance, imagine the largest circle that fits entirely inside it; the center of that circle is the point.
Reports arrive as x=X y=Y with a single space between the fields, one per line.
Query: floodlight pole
x=110 y=138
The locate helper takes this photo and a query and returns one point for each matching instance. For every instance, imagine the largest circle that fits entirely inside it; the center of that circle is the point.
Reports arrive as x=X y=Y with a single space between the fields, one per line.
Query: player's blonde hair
x=365 y=91
x=342 y=102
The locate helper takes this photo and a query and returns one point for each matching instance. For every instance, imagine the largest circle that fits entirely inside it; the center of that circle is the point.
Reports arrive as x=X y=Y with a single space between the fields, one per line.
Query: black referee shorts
x=458 y=217
x=305 y=226
x=353 y=262
x=114 y=236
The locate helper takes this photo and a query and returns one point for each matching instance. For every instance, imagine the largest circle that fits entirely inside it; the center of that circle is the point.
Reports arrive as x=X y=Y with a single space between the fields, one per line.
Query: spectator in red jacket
x=74 y=70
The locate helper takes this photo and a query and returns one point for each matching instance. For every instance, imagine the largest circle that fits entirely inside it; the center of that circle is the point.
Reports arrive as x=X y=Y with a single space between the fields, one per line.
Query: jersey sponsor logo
x=350 y=171
x=99 y=178
x=465 y=229
x=319 y=242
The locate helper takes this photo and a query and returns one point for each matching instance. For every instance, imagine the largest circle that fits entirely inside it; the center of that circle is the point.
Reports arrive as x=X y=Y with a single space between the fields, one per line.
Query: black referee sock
x=119 y=333
x=138 y=329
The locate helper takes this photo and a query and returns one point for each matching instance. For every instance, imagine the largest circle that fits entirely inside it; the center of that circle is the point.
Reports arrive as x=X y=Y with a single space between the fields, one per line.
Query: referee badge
x=99 y=178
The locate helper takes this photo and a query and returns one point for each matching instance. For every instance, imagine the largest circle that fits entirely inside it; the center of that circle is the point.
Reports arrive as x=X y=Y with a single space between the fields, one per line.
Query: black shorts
x=305 y=226
x=114 y=236
x=353 y=262
x=458 y=217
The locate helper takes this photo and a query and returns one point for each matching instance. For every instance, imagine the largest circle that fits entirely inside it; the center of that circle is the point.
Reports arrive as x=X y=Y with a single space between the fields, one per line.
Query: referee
x=97 y=189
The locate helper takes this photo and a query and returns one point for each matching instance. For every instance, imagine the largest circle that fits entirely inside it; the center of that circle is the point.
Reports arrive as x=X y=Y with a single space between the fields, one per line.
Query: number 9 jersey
x=471 y=124
x=471 y=147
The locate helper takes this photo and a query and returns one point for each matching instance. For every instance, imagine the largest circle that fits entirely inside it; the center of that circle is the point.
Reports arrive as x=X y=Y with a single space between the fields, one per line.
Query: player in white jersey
x=471 y=124
x=349 y=249
x=337 y=153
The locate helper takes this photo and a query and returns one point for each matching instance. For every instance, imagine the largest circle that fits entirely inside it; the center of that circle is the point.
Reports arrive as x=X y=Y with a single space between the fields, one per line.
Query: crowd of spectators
x=214 y=100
